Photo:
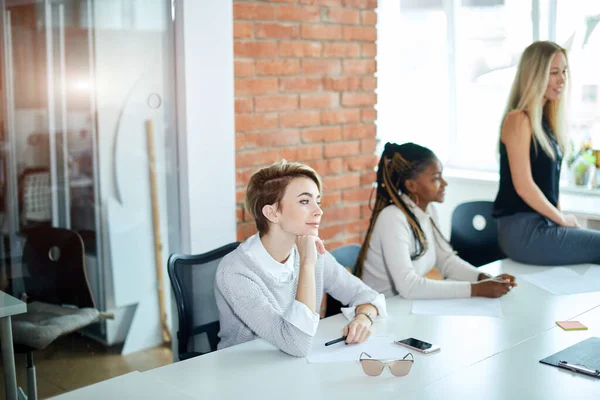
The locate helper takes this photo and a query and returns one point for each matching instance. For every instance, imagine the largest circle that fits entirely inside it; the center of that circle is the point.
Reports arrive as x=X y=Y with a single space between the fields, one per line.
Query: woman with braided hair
x=403 y=241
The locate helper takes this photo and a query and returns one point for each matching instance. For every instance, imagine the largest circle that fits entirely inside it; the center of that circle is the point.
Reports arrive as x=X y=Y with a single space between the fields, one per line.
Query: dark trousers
x=531 y=238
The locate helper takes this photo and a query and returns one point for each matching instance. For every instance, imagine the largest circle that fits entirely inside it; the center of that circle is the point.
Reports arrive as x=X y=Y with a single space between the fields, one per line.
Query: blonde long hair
x=527 y=94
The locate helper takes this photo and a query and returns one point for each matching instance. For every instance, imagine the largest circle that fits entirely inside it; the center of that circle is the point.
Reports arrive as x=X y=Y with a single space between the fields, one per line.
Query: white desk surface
x=516 y=373
x=258 y=370
x=133 y=385
x=10 y=305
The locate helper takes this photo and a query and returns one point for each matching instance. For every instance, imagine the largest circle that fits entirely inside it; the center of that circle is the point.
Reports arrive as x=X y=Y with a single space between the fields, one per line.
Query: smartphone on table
x=418 y=345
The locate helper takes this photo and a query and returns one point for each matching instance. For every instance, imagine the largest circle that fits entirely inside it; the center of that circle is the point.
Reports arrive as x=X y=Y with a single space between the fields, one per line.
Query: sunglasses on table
x=374 y=367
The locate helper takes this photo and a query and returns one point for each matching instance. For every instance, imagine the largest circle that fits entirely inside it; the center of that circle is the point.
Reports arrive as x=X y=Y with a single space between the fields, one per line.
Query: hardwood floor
x=75 y=361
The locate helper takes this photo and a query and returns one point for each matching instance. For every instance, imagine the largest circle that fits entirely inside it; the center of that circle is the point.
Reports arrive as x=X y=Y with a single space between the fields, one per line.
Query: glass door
x=88 y=143
x=49 y=153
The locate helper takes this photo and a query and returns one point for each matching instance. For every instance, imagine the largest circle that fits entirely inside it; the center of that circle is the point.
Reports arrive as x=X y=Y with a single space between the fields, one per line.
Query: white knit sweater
x=252 y=303
x=388 y=264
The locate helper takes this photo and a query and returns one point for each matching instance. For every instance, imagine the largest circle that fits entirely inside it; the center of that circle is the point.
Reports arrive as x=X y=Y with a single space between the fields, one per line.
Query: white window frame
x=451 y=8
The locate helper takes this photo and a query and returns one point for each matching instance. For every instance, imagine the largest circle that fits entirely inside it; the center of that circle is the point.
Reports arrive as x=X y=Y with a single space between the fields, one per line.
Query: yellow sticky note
x=571 y=325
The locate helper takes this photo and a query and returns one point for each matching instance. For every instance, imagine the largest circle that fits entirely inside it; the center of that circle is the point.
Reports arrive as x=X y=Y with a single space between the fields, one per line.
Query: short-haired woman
x=271 y=285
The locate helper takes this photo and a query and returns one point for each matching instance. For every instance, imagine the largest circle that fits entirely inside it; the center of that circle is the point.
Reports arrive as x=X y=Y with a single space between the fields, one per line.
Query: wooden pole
x=166 y=335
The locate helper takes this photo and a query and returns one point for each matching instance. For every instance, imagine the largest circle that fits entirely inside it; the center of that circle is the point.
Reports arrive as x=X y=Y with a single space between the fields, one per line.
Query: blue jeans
x=531 y=238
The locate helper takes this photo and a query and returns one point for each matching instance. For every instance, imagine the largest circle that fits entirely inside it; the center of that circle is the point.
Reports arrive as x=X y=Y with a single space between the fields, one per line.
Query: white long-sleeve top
x=298 y=314
x=256 y=297
x=388 y=267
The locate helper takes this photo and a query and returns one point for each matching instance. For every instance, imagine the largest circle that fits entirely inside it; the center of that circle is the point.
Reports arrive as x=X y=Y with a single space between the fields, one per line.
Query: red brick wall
x=305 y=91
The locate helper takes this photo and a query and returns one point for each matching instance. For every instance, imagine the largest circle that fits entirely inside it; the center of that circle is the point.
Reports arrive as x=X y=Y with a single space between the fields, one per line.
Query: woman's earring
x=415 y=199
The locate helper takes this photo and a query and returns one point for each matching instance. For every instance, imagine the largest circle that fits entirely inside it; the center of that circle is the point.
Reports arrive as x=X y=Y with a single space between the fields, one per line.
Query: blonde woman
x=271 y=285
x=531 y=227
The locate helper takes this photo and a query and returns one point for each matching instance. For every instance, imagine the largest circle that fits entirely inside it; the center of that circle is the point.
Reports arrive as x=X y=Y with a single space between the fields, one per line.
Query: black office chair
x=57 y=292
x=192 y=278
x=345 y=255
x=474 y=234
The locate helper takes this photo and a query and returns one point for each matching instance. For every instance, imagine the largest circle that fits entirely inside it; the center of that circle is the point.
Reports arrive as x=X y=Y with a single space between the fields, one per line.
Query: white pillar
x=206 y=126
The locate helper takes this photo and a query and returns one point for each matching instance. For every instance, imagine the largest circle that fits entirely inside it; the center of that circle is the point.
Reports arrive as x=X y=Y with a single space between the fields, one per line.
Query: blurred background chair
x=474 y=233
x=346 y=256
x=35 y=197
x=192 y=279
x=56 y=290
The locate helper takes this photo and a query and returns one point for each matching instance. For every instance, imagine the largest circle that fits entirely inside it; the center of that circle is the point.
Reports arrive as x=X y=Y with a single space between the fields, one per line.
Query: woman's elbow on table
x=298 y=349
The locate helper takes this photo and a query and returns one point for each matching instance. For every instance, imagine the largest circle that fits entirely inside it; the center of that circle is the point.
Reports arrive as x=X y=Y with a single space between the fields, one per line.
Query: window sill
x=471 y=175
x=565 y=187
x=493 y=177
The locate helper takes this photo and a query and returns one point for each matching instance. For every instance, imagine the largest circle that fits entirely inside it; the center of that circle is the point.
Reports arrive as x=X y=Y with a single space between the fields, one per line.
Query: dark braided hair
x=397 y=164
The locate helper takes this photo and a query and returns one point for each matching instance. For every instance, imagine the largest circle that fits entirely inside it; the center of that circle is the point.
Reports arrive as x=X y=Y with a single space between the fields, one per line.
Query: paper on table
x=593 y=274
x=470 y=306
x=561 y=281
x=550 y=280
x=380 y=347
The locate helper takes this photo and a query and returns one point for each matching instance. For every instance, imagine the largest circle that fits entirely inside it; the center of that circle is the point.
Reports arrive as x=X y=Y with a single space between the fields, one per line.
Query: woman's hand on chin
x=308 y=247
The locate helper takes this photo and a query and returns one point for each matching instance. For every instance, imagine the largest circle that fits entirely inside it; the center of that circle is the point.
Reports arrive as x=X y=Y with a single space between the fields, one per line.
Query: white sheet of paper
x=562 y=281
x=593 y=274
x=470 y=306
x=380 y=347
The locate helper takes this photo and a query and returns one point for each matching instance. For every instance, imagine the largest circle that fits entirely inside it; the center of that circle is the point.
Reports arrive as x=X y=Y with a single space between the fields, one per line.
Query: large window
x=446 y=67
x=413 y=70
x=577 y=29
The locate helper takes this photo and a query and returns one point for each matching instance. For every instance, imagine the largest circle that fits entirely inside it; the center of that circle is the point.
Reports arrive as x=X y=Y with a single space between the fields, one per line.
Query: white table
x=258 y=370
x=516 y=373
x=133 y=385
x=9 y=306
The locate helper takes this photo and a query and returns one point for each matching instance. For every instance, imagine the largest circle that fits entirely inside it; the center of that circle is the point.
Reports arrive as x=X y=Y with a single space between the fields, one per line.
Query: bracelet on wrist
x=366 y=314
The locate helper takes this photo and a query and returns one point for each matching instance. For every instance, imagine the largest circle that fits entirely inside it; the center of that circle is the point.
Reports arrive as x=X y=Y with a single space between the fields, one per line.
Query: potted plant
x=581 y=164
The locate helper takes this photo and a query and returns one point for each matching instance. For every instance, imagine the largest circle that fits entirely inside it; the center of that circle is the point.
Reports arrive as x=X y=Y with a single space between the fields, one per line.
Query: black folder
x=583 y=357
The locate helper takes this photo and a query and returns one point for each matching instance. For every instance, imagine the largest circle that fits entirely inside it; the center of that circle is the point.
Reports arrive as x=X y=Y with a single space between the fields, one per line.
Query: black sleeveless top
x=544 y=170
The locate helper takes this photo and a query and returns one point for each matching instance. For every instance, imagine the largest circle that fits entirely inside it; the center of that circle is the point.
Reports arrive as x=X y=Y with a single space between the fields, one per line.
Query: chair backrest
x=54 y=264
x=35 y=195
x=192 y=279
x=347 y=255
x=474 y=233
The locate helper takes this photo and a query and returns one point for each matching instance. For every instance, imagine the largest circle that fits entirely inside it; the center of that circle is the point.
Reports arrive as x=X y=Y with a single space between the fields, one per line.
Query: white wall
x=461 y=190
x=206 y=123
x=206 y=126
x=585 y=205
